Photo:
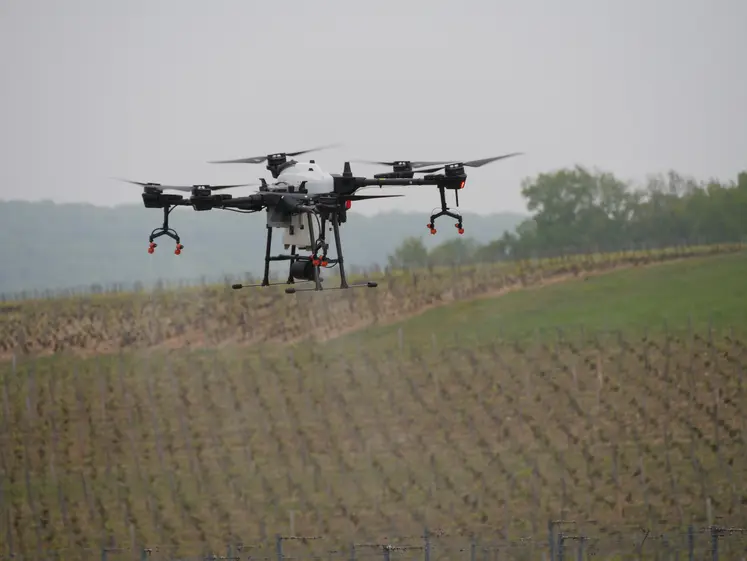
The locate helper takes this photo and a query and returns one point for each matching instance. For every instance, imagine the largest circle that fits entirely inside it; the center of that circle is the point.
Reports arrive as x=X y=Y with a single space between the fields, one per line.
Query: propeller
x=413 y=164
x=470 y=164
x=260 y=159
x=185 y=188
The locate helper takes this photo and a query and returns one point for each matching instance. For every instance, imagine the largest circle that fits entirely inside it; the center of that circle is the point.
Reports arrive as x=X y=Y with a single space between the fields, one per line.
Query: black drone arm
x=258 y=201
x=154 y=197
x=346 y=184
x=440 y=181
x=253 y=202
x=159 y=199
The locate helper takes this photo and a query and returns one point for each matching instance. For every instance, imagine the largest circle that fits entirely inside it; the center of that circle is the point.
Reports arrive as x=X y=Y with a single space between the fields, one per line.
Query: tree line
x=577 y=210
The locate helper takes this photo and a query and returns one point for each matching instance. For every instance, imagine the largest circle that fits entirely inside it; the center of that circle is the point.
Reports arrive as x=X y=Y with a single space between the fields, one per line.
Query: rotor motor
x=276 y=163
x=400 y=170
x=275 y=160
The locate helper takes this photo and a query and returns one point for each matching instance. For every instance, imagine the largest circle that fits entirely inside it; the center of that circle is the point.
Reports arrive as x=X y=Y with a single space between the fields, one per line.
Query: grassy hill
x=677 y=295
x=475 y=418
x=216 y=315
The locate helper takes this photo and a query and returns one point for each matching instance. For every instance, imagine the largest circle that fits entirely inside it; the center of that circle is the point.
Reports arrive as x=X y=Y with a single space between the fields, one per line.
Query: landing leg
x=266 y=278
x=290 y=277
x=322 y=242
x=320 y=247
x=317 y=283
x=164 y=230
x=338 y=247
x=343 y=278
x=445 y=212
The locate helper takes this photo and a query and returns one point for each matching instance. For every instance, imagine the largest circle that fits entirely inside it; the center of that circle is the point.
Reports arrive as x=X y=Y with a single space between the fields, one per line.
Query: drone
x=305 y=201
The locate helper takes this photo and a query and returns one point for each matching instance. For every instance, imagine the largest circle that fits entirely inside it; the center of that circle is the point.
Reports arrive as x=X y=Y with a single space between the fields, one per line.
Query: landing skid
x=370 y=284
x=237 y=286
x=308 y=268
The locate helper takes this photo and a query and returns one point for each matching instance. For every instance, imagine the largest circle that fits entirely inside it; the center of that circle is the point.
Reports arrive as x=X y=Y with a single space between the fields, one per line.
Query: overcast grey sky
x=151 y=90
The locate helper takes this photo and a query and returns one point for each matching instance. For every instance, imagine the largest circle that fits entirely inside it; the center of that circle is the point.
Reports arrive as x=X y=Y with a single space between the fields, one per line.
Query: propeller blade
x=423 y=164
x=317 y=149
x=219 y=187
x=429 y=170
x=185 y=188
x=254 y=160
x=137 y=182
x=189 y=188
x=414 y=164
x=374 y=162
x=142 y=183
x=471 y=163
x=260 y=159
x=479 y=163
x=182 y=188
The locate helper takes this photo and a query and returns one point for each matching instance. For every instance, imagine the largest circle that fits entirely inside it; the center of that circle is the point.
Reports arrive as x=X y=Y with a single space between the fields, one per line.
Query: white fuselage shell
x=316 y=181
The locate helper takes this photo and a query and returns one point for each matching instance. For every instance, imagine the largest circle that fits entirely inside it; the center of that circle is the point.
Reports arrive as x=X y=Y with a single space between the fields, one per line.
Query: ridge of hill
x=216 y=315
x=60 y=246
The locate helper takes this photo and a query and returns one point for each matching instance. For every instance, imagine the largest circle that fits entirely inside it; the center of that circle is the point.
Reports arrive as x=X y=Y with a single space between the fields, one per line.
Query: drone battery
x=297 y=233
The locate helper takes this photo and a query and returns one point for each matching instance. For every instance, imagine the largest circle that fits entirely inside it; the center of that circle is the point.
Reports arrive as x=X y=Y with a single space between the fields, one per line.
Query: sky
x=152 y=90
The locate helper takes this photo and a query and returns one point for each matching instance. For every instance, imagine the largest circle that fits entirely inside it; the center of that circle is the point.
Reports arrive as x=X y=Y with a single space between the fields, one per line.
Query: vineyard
x=484 y=434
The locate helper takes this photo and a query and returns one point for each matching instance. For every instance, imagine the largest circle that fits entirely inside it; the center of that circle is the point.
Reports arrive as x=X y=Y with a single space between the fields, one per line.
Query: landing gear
x=307 y=268
x=445 y=212
x=164 y=230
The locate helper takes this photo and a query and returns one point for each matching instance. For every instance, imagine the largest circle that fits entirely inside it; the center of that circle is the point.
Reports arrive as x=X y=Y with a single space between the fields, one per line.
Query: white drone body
x=306 y=174
x=293 y=178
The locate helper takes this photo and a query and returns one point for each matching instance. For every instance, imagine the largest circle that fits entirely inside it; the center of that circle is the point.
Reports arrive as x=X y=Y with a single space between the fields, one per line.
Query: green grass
x=678 y=295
